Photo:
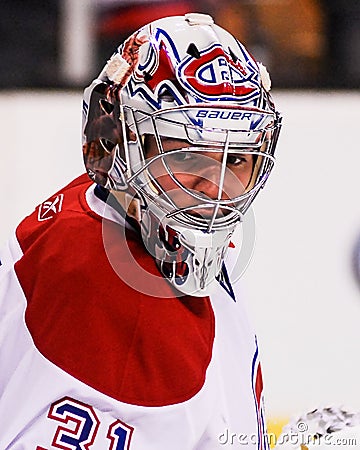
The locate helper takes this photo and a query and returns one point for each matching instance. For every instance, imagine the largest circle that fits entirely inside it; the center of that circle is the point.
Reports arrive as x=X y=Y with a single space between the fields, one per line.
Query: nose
x=207 y=181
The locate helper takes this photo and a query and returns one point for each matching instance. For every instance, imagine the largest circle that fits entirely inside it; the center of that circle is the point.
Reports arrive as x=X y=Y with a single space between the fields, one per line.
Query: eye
x=236 y=159
x=181 y=157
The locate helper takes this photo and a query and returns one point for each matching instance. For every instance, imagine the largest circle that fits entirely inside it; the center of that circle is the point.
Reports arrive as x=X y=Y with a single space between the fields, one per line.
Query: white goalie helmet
x=181 y=119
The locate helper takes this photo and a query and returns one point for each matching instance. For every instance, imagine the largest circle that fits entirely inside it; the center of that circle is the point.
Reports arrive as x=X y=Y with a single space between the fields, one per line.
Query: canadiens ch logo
x=211 y=74
x=216 y=74
x=49 y=208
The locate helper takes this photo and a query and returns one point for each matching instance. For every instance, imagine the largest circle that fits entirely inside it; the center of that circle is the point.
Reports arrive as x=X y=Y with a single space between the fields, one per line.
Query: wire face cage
x=203 y=174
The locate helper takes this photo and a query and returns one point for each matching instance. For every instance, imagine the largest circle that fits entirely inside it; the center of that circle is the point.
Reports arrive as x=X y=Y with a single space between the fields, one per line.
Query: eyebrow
x=179 y=141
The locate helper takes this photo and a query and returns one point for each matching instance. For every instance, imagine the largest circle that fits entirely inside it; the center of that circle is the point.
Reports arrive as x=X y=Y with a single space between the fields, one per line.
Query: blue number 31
x=79 y=427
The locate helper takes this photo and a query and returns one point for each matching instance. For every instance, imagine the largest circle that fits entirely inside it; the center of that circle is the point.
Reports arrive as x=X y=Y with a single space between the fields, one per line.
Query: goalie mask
x=181 y=119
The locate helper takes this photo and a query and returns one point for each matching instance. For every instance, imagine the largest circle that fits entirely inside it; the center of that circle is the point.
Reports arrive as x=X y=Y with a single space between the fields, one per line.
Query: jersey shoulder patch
x=66 y=203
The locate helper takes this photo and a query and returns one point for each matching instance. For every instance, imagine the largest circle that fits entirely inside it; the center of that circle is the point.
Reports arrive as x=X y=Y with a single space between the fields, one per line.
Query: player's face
x=199 y=170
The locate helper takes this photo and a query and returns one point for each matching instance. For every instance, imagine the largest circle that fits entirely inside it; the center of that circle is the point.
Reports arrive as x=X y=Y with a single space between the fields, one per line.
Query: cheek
x=168 y=184
x=235 y=183
x=243 y=175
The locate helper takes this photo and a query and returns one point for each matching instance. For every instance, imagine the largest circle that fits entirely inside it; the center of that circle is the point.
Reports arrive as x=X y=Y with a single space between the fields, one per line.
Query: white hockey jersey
x=88 y=363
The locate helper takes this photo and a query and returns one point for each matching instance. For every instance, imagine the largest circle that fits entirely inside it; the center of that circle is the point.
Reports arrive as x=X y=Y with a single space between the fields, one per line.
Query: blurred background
x=63 y=43
x=302 y=285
